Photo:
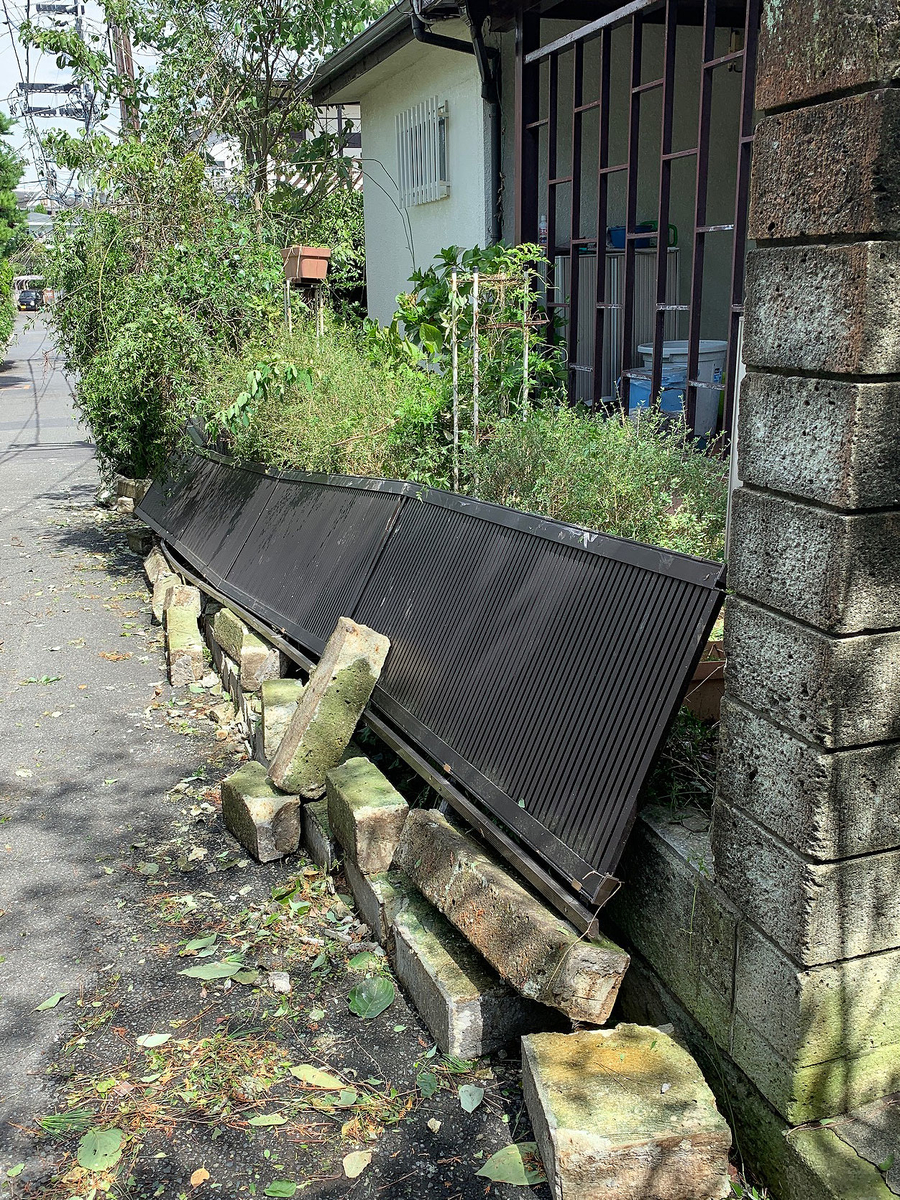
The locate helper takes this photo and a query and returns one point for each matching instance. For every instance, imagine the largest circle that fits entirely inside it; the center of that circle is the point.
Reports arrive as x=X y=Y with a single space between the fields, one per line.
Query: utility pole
x=121 y=45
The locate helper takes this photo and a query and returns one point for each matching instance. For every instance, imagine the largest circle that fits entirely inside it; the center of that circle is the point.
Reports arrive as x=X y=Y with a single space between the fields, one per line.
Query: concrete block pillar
x=807 y=826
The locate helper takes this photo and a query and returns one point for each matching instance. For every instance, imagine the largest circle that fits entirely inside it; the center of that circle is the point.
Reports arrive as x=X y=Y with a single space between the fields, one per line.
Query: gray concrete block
x=184 y=647
x=835 y=691
x=155 y=564
x=338 y=691
x=181 y=595
x=821 y=439
x=161 y=585
x=826 y=804
x=379 y=897
x=811 y=48
x=317 y=837
x=829 y=170
x=624 y=1112
x=670 y=910
x=265 y=821
x=824 y=309
x=829 y=569
x=813 y=1092
x=256 y=659
x=816 y=912
x=531 y=947
x=810 y=1015
x=366 y=813
x=280 y=698
x=466 y=1006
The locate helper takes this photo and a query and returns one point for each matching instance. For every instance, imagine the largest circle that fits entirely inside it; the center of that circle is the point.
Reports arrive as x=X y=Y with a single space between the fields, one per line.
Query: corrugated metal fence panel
x=310 y=555
x=539 y=664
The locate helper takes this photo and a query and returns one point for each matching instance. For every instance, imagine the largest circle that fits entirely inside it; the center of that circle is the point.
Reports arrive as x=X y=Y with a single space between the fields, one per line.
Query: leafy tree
x=12 y=219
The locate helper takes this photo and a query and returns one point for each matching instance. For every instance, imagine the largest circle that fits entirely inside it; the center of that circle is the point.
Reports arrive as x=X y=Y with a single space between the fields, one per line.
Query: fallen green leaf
x=470 y=1096
x=100 y=1149
x=281 y=1187
x=199 y=943
x=364 y=961
x=347 y=1097
x=885 y=1166
x=216 y=970
x=15 y=1171
x=356 y=1163
x=316 y=1014
x=150 y=1041
x=267 y=1119
x=371 y=997
x=51 y=1001
x=427 y=1083
x=517 y=1164
x=307 y=1073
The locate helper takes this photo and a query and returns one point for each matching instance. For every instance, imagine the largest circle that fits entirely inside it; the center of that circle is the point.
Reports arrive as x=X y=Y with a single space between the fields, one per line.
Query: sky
x=35 y=67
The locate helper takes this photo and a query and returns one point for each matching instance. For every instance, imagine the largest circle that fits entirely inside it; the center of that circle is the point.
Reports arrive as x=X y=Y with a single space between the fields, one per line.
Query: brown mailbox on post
x=306 y=264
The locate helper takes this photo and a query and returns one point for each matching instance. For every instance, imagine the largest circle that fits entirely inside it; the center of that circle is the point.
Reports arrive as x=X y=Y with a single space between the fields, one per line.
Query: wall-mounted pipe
x=488 y=61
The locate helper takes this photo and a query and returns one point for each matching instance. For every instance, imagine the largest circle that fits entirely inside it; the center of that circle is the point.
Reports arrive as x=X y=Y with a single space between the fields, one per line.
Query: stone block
x=826 y=804
x=184 y=647
x=776 y=1154
x=835 y=691
x=161 y=585
x=624 y=1112
x=816 y=912
x=824 y=309
x=366 y=813
x=810 y=48
x=256 y=659
x=125 y=506
x=821 y=439
x=379 y=898
x=338 y=691
x=831 y=570
x=671 y=912
x=531 y=947
x=466 y=1006
x=821 y=1089
x=181 y=595
x=810 y=1015
x=317 y=837
x=832 y=169
x=280 y=698
x=140 y=541
x=133 y=489
x=265 y=821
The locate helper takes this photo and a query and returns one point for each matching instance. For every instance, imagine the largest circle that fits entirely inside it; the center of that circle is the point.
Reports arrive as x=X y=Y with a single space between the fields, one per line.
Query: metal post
x=454 y=368
x=476 y=356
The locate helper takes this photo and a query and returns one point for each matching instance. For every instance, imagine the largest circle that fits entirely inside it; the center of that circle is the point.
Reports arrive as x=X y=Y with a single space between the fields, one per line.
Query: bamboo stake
x=476 y=363
x=526 y=325
x=454 y=366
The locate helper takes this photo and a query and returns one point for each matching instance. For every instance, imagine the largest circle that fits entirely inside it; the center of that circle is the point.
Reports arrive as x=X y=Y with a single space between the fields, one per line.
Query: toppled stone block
x=468 y=1008
x=155 y=564
x=337 y=692
x=366 y=813
x=317 y=837
x=531 y=947
x=125 y=506
x=181 y=595
x=624 y=1112
x=161 y=585
x=184 y=647
x=379 y=898
x=279 y=700
x=256 y=659
x=140 y=541
x=133 y=489
x=265 y=821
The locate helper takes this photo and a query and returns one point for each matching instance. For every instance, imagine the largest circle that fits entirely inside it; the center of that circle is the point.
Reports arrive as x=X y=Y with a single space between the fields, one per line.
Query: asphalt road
x=64 y=579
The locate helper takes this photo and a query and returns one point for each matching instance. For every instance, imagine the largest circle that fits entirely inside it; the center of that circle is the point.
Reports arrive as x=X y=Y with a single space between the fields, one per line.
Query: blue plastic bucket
x=671 y=391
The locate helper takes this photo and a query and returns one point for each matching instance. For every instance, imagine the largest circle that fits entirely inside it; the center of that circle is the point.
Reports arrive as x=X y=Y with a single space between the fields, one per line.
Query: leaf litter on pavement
x=188 y=1066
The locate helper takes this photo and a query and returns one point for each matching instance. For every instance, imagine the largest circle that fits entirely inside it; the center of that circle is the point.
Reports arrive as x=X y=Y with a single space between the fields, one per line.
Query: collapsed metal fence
x=534 y=666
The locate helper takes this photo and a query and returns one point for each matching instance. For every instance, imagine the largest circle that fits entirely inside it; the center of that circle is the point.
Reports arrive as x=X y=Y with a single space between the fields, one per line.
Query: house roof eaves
x=379 y=41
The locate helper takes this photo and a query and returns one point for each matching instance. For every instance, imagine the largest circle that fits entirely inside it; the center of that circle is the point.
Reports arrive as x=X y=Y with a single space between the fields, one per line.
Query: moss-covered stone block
x=323 y=724
x=264 y=820
x=184 y=647
x=366 y=812
x=256 y=659
x=469 y=1010
x=378 y=897
x=279 y=700
x=624 y=1112
x=524 y=940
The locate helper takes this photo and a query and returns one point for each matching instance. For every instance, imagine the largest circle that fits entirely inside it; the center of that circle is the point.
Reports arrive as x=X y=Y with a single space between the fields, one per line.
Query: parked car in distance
x=30 y=300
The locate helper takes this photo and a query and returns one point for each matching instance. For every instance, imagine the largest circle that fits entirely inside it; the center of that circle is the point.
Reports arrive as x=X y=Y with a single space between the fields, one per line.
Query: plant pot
x=704 y=696
x=308 y=264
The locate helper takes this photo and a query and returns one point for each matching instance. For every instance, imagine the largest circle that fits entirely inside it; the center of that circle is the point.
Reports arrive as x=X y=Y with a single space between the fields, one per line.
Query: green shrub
x=7 y=309
x=642 y=480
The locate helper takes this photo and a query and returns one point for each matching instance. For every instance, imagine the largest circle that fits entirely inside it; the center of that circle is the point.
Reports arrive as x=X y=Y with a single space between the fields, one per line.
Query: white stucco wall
x=397 y=241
